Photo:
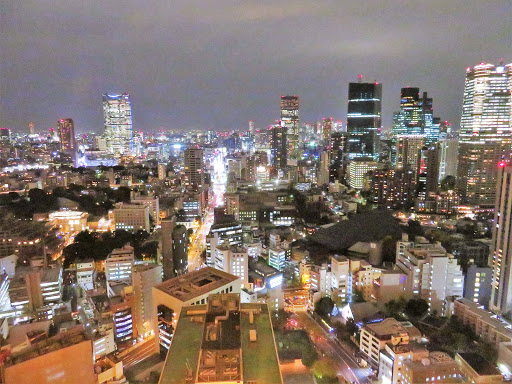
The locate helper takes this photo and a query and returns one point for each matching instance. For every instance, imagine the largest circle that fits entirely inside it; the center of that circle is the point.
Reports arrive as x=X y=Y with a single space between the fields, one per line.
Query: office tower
x=279 y=146
x=167 y=229
x=233 y=259
x=358 y=170
x=119 y=265
x=408 y=149
x=193 y=168
x=323 y=169
x=145 y=277
x=485 y=133
x=337 y=147
x=290 y=121
x=130 y=217
x=31 y=128
x=448 y=153
x=117 y=115
x=180 y=250
x=66 y=130
x=252 y=129
x=416 y=116
x=428 y=171
x=326 y=130
x=363 y=119
x=501 y=245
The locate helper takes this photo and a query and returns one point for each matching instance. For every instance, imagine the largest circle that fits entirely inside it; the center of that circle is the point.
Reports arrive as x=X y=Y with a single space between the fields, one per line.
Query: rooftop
x=479 y=364
x=487 y=317
x=212 y=344
x=196 y=283
x=390 y=327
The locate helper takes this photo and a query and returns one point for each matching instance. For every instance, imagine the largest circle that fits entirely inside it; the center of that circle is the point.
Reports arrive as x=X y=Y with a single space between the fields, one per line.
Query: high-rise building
x=416 y=116
x=180 y=250
x=408 y=149
x=326 y=129
x=119 y=265
x=428 y=170
x=252 y=129
x=279 y=147
x=31 y=128
x=193 y=167
x=66 y=130
x=290 y=121
x=145 y=277
x=485 y=134
x=363 y=119
x=501 y=246
x=448 y=152
x=358 y=169
x=117 y=114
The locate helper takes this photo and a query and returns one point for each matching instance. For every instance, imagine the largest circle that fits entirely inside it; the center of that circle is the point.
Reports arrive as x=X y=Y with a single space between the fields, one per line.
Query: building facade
x=117 y=115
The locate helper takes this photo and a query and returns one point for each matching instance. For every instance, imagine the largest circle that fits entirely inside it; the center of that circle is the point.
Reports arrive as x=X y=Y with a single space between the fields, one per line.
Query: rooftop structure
x=223 y=342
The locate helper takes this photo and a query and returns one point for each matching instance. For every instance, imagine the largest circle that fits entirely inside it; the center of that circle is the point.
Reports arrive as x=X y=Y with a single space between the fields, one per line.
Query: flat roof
x=193 y=349
x=479 y=364
x=196 y=283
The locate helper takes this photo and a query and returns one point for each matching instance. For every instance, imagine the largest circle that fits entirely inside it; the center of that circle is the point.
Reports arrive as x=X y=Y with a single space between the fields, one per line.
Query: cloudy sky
x=215 y=64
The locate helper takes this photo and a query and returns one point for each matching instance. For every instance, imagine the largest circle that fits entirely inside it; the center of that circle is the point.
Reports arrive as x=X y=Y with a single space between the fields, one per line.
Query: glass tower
x=363 y=119
x=485 y=134
x=117 y=114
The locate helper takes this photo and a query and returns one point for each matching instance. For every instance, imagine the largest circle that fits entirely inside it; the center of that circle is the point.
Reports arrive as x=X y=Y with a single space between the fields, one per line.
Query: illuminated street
x=325 y=343
x=198 y=239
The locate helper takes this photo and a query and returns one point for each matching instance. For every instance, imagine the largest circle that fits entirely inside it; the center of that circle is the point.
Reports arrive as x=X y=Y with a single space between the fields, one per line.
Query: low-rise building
x=130 y=217
x=476 y=369
x=438 y=367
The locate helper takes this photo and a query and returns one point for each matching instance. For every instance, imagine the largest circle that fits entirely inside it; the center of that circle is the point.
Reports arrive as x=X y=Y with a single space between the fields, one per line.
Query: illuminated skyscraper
x=66 y=131
x=416 y=116
x=363 y=119
x=290 y=121
x=117 y=114
x=501 y=245
x=485 y=134
x=326 y=130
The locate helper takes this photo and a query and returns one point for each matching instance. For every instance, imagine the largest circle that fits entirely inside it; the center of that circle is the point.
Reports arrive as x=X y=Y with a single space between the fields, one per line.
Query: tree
x=416 y=307
x=279 y=319
x=324 y=306
x=448 y=183
x=324 y=368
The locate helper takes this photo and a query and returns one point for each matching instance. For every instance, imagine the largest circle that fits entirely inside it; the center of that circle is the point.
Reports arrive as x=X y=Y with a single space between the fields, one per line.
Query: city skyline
x=173 y=59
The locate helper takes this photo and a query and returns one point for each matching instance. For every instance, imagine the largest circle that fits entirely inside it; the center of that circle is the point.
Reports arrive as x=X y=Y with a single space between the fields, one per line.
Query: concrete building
x=119 y=265
x=233 y=260
x=145 y=277
x=193 y=168
x=223 y=342
x=190 y=289
x=483 y=322
x=476 y=369
x=501 y=246
x=392 y=359
x=49 y=362
x=358 y=170
x=478 y=284
x=431 y=272
x=103 y=341
x=277 y=258
x=153 y=203
x=86 y=274
x=130 y=217
x=374 y=337
x=439 y=367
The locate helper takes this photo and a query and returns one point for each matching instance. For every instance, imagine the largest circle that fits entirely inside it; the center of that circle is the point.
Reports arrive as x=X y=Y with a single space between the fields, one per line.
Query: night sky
x=215 y=64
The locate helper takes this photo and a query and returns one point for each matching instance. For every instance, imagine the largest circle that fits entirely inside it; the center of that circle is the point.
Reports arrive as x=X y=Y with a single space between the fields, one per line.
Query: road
x=198 y=240
x=345 y=364
x=141 y=351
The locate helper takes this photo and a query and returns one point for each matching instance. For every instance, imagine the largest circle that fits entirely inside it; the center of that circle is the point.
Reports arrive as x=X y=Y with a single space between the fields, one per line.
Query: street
x=198 y=240
x=326 y=344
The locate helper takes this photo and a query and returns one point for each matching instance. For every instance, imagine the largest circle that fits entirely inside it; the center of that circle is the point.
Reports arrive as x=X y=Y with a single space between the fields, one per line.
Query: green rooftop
x=259 y=358
x=184 y=349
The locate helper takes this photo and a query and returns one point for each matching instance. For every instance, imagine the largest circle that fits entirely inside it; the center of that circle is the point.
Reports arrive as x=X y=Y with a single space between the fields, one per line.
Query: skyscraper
x=363 y=119
x=485 y=134
x=252 y=129
x=416 y=116
x=193 y=167
x=117 y=114
x=501 y=245
x=278 y=146
x=66 y=131
x=290 y=121
x=326 y=130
